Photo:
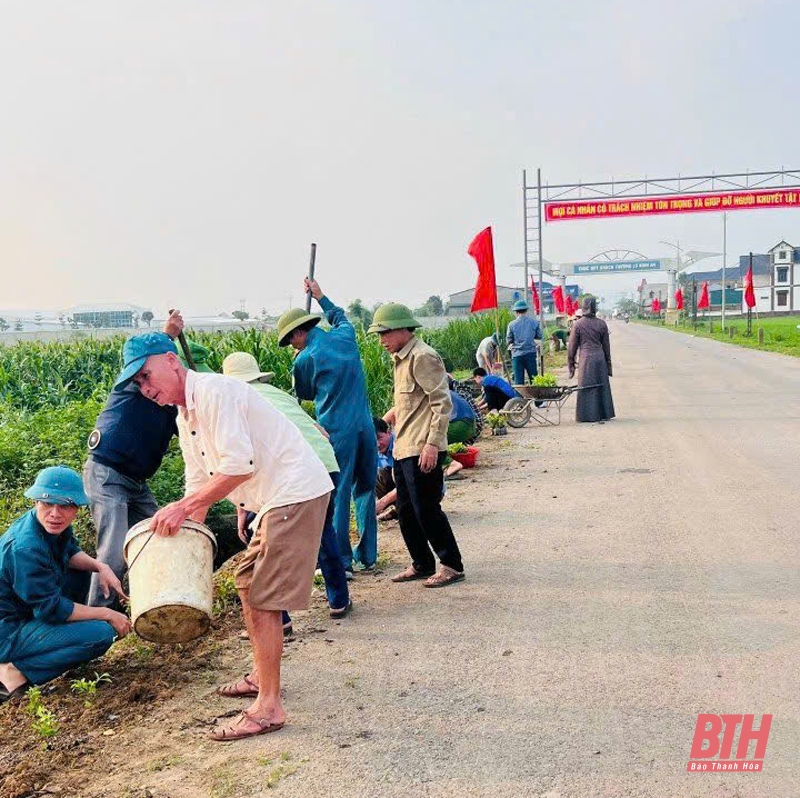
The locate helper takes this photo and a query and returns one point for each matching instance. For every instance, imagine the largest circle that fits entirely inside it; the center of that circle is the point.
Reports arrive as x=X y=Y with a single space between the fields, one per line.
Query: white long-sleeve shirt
x=227 y=428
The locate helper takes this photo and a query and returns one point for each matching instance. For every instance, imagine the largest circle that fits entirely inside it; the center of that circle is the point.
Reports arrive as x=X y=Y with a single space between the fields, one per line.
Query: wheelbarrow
x=535 y=402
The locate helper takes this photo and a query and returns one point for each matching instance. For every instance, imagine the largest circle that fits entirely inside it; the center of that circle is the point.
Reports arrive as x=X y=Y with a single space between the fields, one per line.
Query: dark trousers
x=385 y=483
x=495 y=398
x=522 y=364
x=423 y=523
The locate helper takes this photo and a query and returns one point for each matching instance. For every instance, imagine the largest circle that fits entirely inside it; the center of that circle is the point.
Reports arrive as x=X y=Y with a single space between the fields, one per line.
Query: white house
x=779 y=289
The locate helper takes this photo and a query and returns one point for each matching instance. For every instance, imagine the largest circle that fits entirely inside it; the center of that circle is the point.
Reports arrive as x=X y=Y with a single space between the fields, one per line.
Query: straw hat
x=243 y=366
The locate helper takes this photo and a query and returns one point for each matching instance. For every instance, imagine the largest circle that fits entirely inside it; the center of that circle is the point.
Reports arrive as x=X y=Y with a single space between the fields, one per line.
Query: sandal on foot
x=444 y=576
x=410 y=574
x=342 y=613
x=233 y=690
x=244 y=726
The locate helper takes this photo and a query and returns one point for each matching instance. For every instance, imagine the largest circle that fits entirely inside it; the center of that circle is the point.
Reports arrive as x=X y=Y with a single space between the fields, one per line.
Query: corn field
x=51 y=394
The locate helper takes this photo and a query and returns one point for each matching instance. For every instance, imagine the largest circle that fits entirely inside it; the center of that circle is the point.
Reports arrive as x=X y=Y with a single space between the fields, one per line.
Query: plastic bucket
x=468 y=458
x=171 y=581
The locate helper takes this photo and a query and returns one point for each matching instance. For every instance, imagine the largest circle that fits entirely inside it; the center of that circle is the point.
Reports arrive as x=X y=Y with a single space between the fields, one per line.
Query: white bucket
x=171 y=581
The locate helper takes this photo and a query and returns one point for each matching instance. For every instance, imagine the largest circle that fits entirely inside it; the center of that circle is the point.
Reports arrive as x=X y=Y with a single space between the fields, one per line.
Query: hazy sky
x=187 y=153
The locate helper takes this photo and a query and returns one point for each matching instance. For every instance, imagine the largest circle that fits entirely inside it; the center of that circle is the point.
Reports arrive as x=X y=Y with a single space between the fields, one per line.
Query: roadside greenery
x=780 y=333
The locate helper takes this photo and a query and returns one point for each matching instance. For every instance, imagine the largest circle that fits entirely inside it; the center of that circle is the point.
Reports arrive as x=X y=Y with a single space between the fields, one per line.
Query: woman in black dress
x=590 y=336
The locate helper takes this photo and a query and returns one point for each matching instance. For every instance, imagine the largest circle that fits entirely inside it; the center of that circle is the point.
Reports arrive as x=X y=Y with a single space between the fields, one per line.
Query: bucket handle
x=144 y=546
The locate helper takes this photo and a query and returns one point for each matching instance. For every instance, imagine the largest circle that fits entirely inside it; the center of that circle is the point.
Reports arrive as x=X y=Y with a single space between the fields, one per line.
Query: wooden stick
x=185 y=346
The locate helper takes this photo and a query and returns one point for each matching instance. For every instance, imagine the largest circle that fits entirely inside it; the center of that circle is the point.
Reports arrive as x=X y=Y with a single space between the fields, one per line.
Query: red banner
x=679 y=203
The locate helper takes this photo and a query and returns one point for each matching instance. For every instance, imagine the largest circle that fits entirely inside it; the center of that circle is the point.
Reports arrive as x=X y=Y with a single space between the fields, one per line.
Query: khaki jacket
x=421 y=400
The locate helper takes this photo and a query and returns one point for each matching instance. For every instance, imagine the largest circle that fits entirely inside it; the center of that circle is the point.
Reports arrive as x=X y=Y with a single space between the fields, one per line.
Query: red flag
x=704 y=303
x=537 y=304
x=558 y=299
x=656 y=306
x=679 y=299
x=569 y=306
x=749 y=292
x=482 y=250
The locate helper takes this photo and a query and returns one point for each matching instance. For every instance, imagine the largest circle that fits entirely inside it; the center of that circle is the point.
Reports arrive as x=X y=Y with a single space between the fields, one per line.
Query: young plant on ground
x=457 y=448
x=88 y=687
x=45 y=723
x=496 y=420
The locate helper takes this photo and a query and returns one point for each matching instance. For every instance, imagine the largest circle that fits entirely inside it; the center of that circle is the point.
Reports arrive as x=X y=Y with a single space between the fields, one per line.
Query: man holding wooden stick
x=328 y=370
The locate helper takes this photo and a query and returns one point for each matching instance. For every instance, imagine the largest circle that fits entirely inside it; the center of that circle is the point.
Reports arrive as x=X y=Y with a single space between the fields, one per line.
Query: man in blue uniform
x=126 y=447
x=521 y=336
x=328 y=370
x=45 y=629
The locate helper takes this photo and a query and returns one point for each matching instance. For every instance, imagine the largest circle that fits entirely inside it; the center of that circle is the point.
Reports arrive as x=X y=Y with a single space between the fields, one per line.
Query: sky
x=186 y=153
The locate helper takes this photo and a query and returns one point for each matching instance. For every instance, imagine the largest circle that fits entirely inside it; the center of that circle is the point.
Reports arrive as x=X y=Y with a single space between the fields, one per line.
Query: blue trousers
x=357 y=454
x=330 y=562
x=43 y=651
x=522 y=363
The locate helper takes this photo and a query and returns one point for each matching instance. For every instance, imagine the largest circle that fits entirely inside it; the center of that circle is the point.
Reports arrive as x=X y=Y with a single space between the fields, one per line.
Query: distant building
x=458 y=304
x=106 y=315
x=781 y=292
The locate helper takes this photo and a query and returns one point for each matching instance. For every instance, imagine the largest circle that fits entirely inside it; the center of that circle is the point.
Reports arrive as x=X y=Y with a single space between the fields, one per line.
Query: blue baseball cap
x=58 y=485
x=138 y=349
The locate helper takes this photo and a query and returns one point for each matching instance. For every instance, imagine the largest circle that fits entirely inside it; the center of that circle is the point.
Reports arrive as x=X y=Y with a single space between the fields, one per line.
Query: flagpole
x=541 y=258
x=724 y=262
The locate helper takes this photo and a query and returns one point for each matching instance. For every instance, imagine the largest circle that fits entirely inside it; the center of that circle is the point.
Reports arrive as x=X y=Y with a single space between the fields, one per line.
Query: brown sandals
x=411 y=574
x=243 y=726
x=443 y=577
x=233 y=690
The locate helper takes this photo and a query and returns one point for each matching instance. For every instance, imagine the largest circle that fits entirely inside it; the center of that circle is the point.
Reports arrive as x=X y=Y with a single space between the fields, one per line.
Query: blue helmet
x=58 y=485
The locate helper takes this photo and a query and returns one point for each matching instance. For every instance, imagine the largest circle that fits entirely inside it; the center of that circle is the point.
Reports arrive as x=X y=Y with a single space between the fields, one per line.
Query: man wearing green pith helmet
x=420 y=416
x=328 y=370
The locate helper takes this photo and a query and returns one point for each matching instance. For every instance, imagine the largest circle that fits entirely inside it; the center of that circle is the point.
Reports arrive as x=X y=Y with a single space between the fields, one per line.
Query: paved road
x=622 y=578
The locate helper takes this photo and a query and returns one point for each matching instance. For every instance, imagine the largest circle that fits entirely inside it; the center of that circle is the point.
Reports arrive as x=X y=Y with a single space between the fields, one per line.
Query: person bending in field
x=236 y=445
x=496 y=391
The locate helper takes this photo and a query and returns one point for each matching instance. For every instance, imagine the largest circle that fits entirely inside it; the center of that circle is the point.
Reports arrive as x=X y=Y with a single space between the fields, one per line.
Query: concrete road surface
x=622 y=578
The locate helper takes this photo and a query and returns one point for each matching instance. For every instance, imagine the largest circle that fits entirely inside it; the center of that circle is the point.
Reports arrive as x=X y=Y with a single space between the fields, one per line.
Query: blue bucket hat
x=521 y=304
x=58 y=485
x=138 y=349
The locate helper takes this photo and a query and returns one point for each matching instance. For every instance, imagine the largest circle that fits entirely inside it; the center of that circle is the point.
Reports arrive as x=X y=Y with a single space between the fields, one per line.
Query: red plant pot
x=468 y=458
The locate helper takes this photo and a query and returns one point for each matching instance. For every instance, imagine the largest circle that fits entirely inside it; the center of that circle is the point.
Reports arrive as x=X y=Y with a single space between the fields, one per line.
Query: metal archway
x=619 y=254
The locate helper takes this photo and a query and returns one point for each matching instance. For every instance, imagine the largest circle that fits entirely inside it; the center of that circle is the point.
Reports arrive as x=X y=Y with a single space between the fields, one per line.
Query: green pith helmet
x=392 y=317
x=200 y=355
x=520 y=305
x=293 y=319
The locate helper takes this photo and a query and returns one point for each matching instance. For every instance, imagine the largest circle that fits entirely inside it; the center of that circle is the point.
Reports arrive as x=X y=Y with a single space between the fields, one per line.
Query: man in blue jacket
x=521 y=336
x=328 y=370
x=126 y=447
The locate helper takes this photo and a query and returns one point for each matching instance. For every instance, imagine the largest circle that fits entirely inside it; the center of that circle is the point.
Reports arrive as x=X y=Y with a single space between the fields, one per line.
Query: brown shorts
x=278 y=566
